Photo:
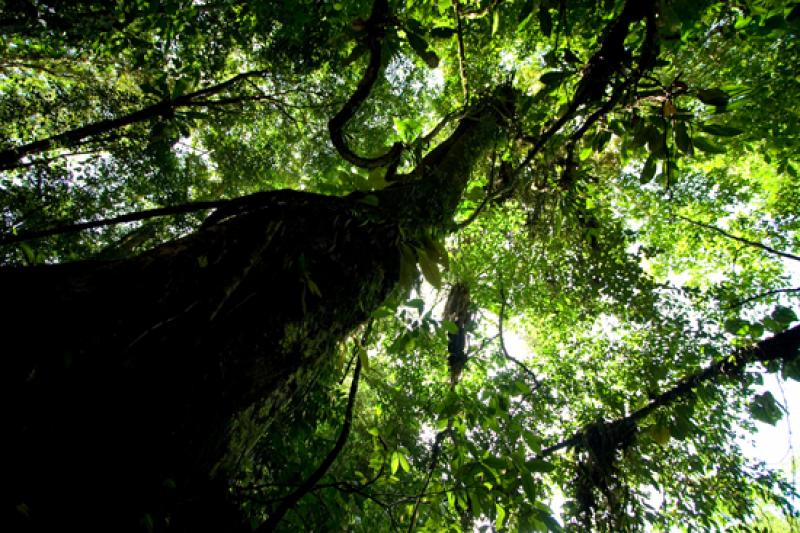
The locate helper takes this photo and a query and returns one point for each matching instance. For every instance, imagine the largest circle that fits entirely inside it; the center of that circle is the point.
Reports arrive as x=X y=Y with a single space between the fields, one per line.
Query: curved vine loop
x=376 y=29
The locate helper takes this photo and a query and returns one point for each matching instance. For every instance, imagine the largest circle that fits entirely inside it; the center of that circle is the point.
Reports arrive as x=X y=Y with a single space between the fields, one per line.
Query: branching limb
x=435 y=453
x=224 y=209
x=783 y=346
x=597 y=75
x=376 y=27
x=766 y=294
x=63 y=229
x=742 y=240
x=10 y=158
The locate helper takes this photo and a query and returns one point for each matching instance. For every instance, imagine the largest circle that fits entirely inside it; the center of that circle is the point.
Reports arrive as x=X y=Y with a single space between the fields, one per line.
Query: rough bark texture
x=140 y=385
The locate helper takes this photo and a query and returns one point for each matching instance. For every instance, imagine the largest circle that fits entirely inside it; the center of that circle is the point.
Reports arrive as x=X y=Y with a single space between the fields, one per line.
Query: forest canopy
x=397 y=265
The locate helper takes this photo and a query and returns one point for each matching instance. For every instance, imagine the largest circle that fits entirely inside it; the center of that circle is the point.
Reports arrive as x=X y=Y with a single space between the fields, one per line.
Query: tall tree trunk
x=139 y=386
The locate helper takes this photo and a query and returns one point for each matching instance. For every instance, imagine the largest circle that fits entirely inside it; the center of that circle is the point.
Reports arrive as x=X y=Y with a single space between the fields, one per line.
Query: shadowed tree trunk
x=140 y=385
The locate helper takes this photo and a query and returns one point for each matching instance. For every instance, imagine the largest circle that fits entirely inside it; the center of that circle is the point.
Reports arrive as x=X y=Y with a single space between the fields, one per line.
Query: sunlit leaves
x=613 y=298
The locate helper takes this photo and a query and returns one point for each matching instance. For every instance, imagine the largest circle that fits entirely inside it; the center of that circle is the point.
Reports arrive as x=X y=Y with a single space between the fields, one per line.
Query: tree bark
x=139 y=386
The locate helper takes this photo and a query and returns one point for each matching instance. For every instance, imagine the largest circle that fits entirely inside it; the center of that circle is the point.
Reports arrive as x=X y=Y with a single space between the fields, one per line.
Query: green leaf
x=416 y=303
x=707 y=146
x=27 y=251
x=791 y=368
x=534 y=442
x=370 y=199
x=682 y=139
x=773 y=325
x=528 y=485
x=313 y=288
x=395 y=462
x=477 y=510
x=181 y=87
x=495 y=21
x=736 y=326
x=355 y=54
x=656 y=143
x=420 y=46
x=363 y=357
x=429 y=269
x=765 y=409
x=537 y=465
x=716 y=97
x=551 y=523
x=501 y=516
x=720 y=130
x=600 y=140
x=400 y=343
x=648 y=171
x=404 y=463
x=783 y=315
x=408 y=267
x=552 y=78
x=435 y=250
x=449 y=326
x=659 y=433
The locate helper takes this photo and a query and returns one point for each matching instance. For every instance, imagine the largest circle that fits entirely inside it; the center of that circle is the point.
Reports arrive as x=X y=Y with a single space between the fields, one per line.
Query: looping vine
x=376 y=29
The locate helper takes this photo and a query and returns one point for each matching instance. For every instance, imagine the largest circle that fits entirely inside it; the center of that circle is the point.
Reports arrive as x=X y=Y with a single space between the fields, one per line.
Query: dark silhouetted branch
x=782 y=346
x=63 y=229
x=742 y=240
x=10 y=158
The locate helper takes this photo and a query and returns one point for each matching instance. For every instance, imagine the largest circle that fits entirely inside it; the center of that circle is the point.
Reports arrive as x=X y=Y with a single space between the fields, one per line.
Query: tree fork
x=158 y=373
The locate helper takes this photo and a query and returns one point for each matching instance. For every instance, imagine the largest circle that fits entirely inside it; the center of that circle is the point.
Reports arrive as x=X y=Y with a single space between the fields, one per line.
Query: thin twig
x=507 y=355
x=742 y=240
x=435 y=453
x=773 y=292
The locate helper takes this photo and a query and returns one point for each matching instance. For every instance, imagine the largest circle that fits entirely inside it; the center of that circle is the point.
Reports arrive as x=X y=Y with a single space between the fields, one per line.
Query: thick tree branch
x=782 y=346
x=62 y=229
x=224 y=209
x=10 y=158
x=597 y=75
x=376 y=27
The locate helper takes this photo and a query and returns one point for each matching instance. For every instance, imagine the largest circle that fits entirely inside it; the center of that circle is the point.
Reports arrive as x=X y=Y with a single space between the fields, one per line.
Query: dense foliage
x=633 y=224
